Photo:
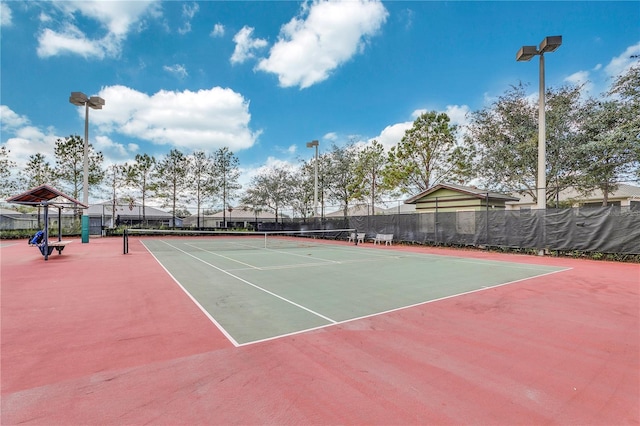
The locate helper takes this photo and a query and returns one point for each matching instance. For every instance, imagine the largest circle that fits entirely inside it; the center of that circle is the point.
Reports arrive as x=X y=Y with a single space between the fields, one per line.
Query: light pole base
x=85 y=229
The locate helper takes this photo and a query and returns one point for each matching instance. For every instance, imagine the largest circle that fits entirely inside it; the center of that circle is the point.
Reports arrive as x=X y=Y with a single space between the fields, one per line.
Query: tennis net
x=239 y=240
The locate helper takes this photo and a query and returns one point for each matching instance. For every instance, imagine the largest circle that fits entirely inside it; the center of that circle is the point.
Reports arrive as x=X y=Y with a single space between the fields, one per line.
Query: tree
x=140 y=175
x=201 y=178
x=370 y=163
x=226 y=174
x=69 y=168
x=38 y=172
x=8 y=185
x=116 y=176
x=339 y=175
x=564 y=139
x=626 y=90
x=303 y=190
x=171 y=180
x=272 y=189
x=610 y=151
x=426 y=155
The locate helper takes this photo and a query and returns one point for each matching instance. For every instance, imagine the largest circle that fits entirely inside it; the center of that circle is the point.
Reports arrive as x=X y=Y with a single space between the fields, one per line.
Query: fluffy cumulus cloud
x=10 y=119
x=218 y=30
x=393 y=134
x=620 y=64
x=115 y=20
x=581 y=78
x=325 y=35
x=246 y=45
x=5 y=15
x=203 y=120
x=26 y=139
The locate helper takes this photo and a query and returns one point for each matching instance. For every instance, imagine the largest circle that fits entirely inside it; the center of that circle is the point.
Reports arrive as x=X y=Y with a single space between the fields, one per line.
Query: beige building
x=447 y=197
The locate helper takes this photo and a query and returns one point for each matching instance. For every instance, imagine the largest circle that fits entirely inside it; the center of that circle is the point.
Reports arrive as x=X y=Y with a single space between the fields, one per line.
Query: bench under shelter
x=46 y=196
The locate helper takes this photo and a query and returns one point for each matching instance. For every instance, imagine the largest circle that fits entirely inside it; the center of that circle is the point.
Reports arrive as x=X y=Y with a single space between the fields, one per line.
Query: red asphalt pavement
x=95 y=337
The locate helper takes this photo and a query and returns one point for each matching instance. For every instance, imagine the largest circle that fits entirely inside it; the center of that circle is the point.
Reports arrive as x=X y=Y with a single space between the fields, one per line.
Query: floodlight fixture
x=526 y=53
x=550 y=44
x=78 y=98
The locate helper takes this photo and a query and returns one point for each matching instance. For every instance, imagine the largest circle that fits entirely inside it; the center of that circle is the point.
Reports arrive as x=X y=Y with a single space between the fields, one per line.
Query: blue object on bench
x=46 y=247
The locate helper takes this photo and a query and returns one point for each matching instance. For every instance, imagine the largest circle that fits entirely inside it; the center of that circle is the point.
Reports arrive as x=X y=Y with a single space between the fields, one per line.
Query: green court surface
x=254 y=294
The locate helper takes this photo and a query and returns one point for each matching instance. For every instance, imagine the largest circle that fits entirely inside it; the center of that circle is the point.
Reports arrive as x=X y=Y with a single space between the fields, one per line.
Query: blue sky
x=263 y=78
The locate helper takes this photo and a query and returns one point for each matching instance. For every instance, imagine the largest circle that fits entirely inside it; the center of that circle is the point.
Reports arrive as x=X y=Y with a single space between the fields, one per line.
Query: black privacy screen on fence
x=603 y=230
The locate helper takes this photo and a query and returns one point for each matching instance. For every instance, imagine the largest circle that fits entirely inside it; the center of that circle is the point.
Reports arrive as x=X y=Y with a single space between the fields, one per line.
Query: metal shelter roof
x=45 y=195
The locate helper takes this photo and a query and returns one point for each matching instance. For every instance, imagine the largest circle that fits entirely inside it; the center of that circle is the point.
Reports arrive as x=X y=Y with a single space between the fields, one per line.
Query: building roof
x=356 y=210
x=623 y=192
x=471 y=191
x=241 y=213
x=126 y=210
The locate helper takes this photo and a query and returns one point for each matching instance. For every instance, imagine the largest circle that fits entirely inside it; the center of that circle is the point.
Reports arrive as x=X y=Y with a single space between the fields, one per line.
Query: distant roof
x=624 y=191
x=469 y=190
x=46 y=195
x=241 y=212
x=128 y=210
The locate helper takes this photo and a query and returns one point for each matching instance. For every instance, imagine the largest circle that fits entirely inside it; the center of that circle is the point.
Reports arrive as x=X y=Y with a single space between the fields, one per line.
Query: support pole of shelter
x=46 y=232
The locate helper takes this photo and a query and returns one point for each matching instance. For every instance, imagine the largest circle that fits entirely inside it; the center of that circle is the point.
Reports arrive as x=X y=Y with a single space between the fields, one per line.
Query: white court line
x=334 y=322
x=484 y=288
x=204 y=311
x=253 y=285
x=224 y=257
x=306 y=265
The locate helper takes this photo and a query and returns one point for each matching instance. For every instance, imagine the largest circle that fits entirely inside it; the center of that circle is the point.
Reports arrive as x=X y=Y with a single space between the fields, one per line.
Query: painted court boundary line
x=400 y=308
x=332 y=322
x=193 y=299
x=253 y=285
x=325 y=262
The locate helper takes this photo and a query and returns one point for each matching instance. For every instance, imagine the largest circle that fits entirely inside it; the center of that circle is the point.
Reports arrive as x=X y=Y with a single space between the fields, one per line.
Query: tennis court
x=257 y=287
x=314 y=331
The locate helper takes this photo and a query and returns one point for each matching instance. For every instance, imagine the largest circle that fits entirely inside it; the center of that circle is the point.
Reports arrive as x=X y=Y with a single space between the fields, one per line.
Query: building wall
x=446 y=200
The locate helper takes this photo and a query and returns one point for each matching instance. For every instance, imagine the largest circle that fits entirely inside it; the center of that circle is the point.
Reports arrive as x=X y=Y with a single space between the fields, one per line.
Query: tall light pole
x=315 y=185
x=549 y=44
x=95 y=102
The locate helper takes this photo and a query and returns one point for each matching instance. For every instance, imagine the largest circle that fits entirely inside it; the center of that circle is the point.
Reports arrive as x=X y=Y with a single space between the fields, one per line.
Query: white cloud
x=581 y=78
x=113 y=150
x=28 y=141
x=10 y=119
x=246 y=45
x=206 y=119
x=178 y=69
x=5 y=15
x=218 y=30
x=188 y=12
x=620 y=64
x=248 y=173
x=393 y=134
x=331 y=136
x=115 y=18
x=70 y=40
x=458 y=114
x=310 y=47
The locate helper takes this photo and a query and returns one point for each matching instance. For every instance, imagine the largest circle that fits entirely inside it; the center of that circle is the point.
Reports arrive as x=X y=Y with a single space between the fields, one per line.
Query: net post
x=125 y=241
x=355 y=234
